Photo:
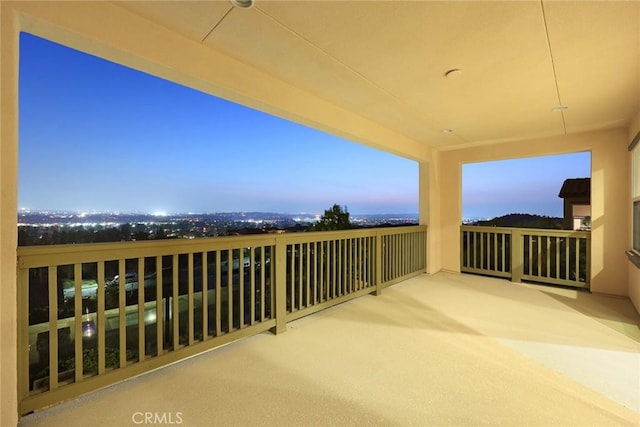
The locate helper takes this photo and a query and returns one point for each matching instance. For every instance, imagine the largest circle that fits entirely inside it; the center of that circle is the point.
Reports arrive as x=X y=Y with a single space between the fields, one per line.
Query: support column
x=429 y=210
x=9 y=33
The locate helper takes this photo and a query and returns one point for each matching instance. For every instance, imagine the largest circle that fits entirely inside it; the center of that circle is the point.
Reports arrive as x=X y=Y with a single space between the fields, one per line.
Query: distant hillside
x=522 y=221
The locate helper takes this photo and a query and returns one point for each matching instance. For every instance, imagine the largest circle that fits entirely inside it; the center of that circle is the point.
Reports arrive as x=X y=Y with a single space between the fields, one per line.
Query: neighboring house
x=576 y=193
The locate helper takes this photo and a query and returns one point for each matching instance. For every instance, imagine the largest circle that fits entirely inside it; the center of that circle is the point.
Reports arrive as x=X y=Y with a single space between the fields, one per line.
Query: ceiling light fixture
x=447 y=130
x=242 y=4
x=559 y=108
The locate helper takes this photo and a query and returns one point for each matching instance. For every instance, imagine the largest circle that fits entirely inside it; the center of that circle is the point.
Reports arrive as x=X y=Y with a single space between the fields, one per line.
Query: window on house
x=581 y=217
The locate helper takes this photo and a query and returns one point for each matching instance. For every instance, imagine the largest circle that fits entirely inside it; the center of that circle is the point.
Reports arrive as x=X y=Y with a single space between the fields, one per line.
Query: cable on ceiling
x=216 y=24
x=553 y=64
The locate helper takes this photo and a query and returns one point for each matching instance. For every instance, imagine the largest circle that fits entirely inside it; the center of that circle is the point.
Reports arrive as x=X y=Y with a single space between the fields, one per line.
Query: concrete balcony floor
x=446 y=349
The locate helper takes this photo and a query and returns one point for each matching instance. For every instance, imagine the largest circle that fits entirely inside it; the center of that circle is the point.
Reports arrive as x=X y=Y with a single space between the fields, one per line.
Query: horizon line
x=96 y=212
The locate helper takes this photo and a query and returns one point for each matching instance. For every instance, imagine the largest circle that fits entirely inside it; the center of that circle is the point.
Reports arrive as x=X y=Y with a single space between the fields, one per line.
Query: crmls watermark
x=151 y=418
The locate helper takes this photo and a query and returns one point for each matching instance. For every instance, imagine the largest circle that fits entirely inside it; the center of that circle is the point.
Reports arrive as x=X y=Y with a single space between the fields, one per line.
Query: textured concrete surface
x=446 y=349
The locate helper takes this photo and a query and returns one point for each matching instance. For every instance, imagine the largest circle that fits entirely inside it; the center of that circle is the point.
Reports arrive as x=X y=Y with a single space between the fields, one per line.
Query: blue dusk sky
x=97 y=136
x=529 y=185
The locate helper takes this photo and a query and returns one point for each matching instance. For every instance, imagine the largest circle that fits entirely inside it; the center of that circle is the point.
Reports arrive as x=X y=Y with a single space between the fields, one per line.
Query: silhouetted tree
x=125 y=232
x=335 y=218
x=160 y=233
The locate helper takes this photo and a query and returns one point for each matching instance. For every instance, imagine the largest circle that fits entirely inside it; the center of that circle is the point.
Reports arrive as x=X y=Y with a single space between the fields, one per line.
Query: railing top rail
x=320 y=236
x=532 y=231
x=556 y=233
x=401 y=229
x=41 y=256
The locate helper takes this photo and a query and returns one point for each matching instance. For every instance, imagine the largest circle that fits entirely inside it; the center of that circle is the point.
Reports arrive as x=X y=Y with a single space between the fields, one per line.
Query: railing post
x=378 y=264
x=23 y=334
x=280 y=286
x=516 y=255
x=462 y=249
x=587 y=273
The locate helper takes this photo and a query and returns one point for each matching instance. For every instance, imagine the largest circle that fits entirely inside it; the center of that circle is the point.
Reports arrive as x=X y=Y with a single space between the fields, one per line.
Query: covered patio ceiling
x=387 y=61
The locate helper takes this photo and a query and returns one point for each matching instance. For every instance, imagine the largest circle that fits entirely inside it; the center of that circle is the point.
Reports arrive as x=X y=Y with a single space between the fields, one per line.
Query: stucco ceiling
x=387 y=60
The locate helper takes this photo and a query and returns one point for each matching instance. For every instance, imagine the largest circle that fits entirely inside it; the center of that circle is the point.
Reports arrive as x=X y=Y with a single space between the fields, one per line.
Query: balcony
x=101 y=313
x=443 y=349
x=447 y=348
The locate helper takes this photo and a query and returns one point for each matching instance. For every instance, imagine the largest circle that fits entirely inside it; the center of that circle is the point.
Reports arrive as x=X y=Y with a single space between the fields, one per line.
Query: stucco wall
x=429 y=200
x=609 y=198
x=633 y=271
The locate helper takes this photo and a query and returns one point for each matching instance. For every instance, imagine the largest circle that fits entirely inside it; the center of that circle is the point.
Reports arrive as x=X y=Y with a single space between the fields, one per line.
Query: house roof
x=576 y=187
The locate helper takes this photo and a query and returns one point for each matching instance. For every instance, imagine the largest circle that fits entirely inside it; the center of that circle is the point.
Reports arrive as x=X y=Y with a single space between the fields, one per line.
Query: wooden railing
x=560 y=257
x=91 y=315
